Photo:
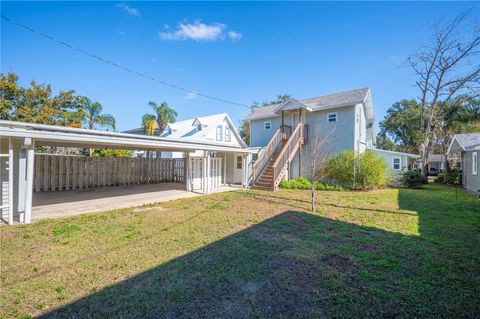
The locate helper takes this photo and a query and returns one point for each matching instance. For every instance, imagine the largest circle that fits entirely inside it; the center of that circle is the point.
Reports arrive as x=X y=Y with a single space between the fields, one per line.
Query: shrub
x=304 y=183
x=413 y=179
x=357 y=171
x=451 y=178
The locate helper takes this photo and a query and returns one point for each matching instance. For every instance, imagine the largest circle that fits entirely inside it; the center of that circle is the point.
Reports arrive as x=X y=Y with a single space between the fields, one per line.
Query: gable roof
x=468 y=141
x=339 y=99
x=187 y=129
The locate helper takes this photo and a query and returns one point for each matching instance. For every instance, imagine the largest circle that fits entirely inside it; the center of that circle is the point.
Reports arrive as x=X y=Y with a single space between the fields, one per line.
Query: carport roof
x=76 y=137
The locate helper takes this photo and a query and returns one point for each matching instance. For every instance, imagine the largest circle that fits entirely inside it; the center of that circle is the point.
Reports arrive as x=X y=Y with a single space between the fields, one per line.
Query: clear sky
x=237 y=51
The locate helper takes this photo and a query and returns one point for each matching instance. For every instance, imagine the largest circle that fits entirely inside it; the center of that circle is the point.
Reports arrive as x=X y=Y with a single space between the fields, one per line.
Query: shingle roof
x=468 y=140
x=316 y=103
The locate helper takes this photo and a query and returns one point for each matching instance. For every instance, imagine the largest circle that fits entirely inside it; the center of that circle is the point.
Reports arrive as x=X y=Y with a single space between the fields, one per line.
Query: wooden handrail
x=265 y=154
x=287 y=153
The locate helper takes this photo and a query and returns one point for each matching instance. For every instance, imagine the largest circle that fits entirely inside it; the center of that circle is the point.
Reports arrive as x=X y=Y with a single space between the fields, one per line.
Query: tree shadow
x=295 y=264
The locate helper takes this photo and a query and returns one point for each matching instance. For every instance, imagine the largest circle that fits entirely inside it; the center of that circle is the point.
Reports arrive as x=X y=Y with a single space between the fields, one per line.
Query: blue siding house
x=342 y=121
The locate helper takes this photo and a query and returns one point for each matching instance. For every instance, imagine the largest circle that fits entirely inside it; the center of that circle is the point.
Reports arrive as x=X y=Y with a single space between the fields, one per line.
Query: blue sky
x=236 y=51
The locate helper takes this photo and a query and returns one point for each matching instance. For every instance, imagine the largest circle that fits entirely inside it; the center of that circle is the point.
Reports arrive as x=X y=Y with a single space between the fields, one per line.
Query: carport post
x=225 y=169
x=29 y=190
x=204 y=173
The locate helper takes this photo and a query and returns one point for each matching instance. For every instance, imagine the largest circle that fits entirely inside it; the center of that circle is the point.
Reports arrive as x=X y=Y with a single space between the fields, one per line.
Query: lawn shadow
x=295 y=264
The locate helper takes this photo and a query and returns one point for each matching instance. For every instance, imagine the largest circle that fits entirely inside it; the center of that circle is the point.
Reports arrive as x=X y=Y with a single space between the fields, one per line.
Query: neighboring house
x=216 y=129
x=397 y=162
x=344 y=121
x=437 y=162
x=468 y=146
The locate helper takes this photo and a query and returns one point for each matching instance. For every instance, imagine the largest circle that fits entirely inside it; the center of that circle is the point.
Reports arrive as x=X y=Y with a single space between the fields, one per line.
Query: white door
x=238 y=169
x=196 y=171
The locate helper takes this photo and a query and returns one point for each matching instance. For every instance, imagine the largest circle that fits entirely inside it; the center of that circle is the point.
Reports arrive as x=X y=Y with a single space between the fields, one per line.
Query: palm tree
x=163 y=115
x=94 y=115
x=148 y=123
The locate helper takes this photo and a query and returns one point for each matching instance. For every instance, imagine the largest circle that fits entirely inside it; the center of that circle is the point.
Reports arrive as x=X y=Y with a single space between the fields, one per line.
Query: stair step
x=263 y=188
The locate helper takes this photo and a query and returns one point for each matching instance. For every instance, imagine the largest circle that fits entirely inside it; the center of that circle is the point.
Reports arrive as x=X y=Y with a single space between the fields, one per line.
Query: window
x=267 y=125
x=199 y=127
x=239 y=162
x=228 y=134
x=396 y=163
x=219 y=133
x=332 y=117
x=474 y=163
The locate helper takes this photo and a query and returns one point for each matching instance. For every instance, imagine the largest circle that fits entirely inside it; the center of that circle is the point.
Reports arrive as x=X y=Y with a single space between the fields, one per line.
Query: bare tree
x=446 y=69
x=318 y=152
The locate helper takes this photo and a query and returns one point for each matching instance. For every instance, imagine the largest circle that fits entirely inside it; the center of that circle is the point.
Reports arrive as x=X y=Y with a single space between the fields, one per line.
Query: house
x=343 y=121
x=468 y=147
x=216 y=128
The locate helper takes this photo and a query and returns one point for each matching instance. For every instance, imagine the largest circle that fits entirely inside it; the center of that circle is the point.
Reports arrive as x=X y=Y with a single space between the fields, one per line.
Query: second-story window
x=220 y=133
x=332 y=117
x=267 y=125
x=228 y=134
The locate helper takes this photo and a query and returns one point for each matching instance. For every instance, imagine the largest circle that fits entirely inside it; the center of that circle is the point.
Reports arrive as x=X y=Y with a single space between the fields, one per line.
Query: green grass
x=385 y=253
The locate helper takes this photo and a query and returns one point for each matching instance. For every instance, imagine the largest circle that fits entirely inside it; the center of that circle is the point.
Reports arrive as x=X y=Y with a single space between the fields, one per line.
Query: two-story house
x=343 y=121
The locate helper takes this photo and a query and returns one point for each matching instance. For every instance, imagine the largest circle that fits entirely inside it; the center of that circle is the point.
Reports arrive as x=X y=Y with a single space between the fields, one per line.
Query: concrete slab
x=70 y=203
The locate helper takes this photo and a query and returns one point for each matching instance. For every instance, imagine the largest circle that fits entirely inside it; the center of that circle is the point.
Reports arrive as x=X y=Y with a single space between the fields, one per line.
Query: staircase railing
x=287 y=153
x=266 y=153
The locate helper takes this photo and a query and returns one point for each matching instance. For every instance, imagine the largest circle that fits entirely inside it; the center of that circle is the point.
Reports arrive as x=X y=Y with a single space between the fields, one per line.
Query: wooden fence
x=60 y=172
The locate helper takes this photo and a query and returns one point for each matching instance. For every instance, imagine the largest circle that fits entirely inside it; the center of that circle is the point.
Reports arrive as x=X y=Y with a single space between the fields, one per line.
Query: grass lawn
x=388 y=253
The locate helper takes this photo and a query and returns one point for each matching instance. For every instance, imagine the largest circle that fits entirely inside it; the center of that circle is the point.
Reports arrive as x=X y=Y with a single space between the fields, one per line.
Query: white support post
x=225 y=169
x=29 y=190
x=10 y=181
x=208 y=179
x=245 y=170
x=204 y=173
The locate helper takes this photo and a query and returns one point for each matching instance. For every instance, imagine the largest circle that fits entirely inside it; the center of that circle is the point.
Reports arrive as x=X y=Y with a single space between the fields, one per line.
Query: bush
x=357 y=171
x=304 y=183
x=451 y=178
x=413 y=179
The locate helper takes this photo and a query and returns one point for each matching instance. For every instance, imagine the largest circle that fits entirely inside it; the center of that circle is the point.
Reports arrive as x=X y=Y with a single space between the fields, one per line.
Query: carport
x=206 y=167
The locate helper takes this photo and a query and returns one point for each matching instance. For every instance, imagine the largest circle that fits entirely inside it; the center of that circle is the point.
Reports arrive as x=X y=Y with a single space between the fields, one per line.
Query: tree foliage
x=94 y=116
x=401 y=126
x=100 y=152
x=245 y=131
x=36 y=104
x=163 y=115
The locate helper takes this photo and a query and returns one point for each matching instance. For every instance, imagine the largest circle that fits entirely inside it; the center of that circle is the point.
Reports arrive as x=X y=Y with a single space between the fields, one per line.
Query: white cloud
x=122 y=33
x=130 y=10
x=190 y=96
x=199 y=32
x=234 y=36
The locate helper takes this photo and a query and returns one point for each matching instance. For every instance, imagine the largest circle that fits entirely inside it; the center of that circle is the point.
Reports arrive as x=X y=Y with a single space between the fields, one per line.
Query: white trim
x=399 y=163
x=474 y=163
x=269 y=124
x=336 y=117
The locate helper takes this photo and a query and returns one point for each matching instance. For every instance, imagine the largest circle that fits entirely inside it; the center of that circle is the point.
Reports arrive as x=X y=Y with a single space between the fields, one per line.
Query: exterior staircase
x=274 y=160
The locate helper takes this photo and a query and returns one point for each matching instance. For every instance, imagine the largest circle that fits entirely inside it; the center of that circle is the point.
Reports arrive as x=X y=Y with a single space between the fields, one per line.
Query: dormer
x=198 y=124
